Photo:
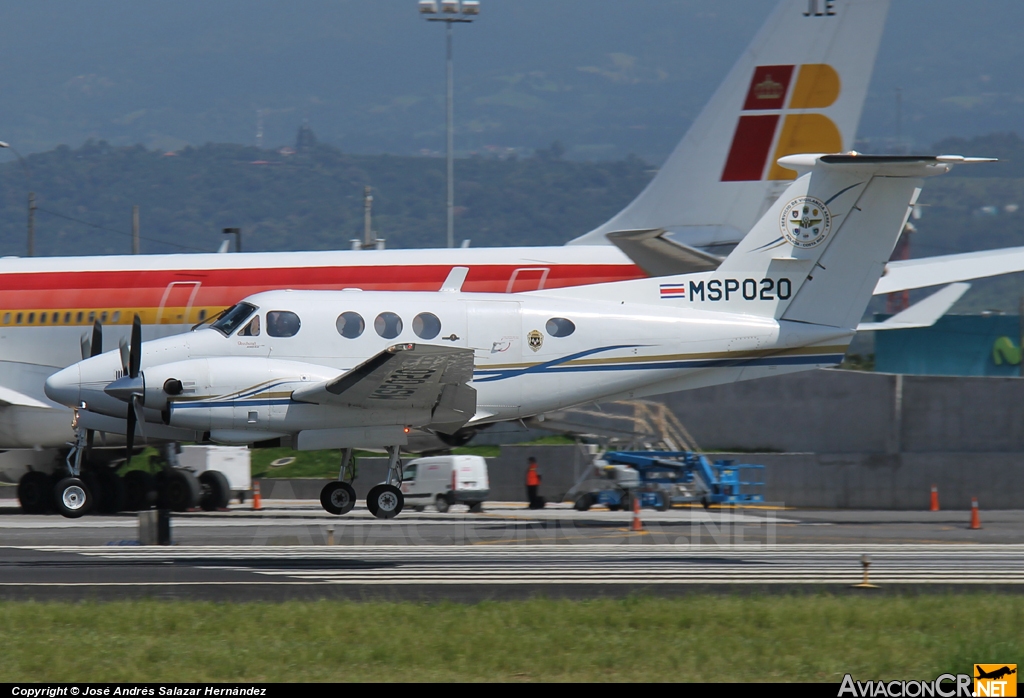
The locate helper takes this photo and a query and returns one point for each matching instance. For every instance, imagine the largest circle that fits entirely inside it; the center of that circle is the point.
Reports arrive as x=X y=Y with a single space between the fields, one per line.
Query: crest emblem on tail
x=805 y=222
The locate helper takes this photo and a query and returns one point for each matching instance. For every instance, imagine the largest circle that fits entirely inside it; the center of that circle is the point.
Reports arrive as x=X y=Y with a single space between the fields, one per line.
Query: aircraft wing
x=924 y=313
x=13 y=397
x=933 y=271
x=413 y=378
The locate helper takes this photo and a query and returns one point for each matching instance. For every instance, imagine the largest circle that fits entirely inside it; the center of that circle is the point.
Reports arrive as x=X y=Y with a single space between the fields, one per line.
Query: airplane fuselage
x=532 y=354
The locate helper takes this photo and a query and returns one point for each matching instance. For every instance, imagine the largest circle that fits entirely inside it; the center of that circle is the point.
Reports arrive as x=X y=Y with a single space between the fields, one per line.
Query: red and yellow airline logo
x=816 y=86
x=992 y=680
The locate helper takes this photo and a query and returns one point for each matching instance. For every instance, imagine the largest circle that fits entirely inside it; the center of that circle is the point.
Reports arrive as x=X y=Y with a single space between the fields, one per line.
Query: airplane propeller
x=131 y=387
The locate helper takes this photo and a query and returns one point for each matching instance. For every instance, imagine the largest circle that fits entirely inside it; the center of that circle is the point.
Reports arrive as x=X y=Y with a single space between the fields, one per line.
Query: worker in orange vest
x=532 y=483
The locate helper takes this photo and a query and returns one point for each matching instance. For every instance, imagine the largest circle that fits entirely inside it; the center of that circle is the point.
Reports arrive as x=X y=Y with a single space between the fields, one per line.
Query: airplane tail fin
x=817 y=254
x=798 y=88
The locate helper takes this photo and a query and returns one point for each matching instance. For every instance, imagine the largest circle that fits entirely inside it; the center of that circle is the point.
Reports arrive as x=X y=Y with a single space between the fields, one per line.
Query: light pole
x=452 y=12
x=31 y=200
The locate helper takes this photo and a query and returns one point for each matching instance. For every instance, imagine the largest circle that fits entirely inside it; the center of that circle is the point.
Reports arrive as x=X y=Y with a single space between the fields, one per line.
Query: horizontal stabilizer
x=924 y=313
x=659 y=255
x=944 y=269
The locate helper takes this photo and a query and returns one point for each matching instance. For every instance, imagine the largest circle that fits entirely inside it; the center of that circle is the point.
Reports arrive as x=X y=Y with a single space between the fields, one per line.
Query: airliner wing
x=413 y=378
x=13 y=397
x=933 y=271
x=923 y=313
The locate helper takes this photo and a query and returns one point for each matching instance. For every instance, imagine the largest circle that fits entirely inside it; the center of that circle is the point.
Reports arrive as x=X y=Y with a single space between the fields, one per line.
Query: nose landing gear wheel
x=385 y=501
x=72 y=497
x=338 y=498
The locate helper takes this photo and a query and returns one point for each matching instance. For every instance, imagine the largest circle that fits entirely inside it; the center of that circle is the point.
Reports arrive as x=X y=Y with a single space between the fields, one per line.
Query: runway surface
x=462 y=572
x=282 y=552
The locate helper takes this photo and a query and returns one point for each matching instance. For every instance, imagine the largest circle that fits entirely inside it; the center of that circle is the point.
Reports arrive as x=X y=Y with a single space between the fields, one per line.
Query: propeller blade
x=97 y=339
x=139 y=418
x=86 y=347
x=122 y=346
x=135 y=352
x=130 y=433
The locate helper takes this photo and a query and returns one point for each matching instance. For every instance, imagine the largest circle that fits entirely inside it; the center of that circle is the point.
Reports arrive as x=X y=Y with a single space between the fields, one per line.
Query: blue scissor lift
x=673 y=477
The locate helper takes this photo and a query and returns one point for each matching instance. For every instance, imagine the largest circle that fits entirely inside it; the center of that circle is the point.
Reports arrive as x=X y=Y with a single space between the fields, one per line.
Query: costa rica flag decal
x=673 y=290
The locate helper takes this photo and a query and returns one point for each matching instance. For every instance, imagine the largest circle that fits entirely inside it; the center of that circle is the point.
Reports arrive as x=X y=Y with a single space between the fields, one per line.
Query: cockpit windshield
x=233 y=318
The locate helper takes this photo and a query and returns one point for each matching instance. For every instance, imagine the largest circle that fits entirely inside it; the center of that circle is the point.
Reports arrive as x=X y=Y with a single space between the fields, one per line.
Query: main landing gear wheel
x=72 y=497
x=216 y=492
x=385 y=501
x=177 y=490
x=35 y=492
x=338 y=498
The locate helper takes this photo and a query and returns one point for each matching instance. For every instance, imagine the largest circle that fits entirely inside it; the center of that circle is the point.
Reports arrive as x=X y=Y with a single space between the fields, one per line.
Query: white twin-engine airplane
x=347 y=369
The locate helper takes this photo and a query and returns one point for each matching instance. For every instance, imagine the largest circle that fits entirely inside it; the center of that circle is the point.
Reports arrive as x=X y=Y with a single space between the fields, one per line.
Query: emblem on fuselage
x=535 y=339
x=805 y=222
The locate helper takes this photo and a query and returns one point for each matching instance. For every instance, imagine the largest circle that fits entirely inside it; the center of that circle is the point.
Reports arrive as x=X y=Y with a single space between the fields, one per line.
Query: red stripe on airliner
x=223 y=287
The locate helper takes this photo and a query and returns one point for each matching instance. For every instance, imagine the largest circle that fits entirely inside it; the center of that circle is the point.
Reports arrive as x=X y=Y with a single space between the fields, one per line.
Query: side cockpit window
x=233 y=318
x=282 y=323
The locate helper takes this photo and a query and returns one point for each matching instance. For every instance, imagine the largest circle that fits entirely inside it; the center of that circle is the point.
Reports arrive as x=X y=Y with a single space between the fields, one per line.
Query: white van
x=445 y=480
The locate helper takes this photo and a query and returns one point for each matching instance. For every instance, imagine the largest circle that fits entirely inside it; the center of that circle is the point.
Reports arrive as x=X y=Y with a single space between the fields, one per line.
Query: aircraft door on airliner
x=176 y=303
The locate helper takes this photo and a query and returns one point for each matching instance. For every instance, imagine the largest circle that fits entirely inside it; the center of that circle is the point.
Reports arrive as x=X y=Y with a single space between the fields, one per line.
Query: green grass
x=697 y=638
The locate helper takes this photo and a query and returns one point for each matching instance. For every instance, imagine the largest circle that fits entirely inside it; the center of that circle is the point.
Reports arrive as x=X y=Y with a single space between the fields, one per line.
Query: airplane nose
x=65 y=386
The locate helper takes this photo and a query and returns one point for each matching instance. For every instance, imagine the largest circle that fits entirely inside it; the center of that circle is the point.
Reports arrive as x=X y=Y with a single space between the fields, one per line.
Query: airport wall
x=857 y=412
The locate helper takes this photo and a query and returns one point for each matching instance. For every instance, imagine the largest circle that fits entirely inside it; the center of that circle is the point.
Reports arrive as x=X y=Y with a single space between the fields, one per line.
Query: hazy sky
x=607 y=77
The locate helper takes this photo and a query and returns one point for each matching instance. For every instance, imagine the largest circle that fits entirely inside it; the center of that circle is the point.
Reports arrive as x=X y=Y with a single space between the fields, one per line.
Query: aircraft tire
x=216 y=492
x=140 y=490
x=583 y=502
x=385 y=501
x=111 y=493
x=441 y=503
x=35 y=493
x=72 y=498
x=177 y=490
x=337 y=498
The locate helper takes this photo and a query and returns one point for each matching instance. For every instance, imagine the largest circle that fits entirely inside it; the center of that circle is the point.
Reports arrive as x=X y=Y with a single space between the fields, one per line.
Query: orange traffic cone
x=638 y=525
x=935 y=498
x=257 y=501
x=975 y=521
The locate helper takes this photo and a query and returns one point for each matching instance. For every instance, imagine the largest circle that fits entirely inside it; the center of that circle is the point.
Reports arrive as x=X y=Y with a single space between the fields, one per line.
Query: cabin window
x=233 y=318
x=202 y=315
x=7 y=318
x=252 y=329
x=17 y=318
x=426 y=326
x=282 y=323
x=78 y=318
x=560 y=327
x=117 y=316
x=55 y=319
x=350 y=325
x=92 y=316
x=31 y=318
x=42 y=318
x=388 y=325
x=103 y=316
